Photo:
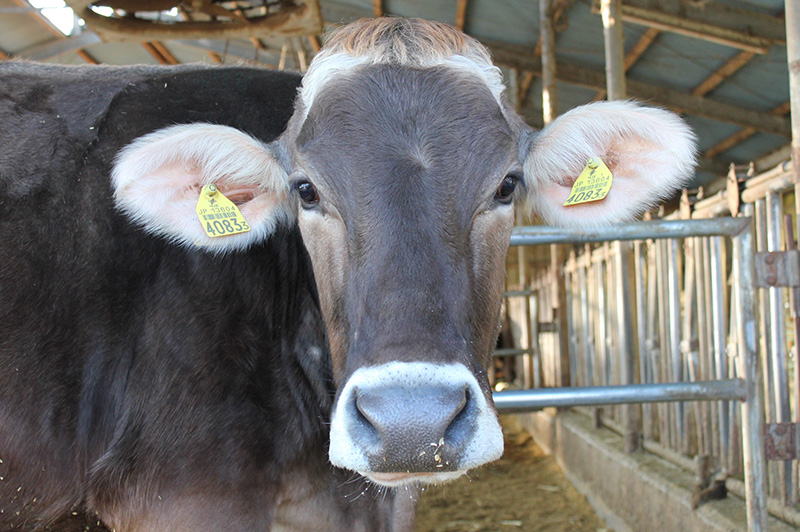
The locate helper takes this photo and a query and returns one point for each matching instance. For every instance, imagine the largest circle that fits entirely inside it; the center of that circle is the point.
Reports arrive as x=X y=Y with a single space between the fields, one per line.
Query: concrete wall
x=639 y=492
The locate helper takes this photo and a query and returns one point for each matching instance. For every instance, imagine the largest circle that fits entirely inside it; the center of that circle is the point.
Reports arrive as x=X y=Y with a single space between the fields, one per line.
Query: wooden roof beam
x=155 y=53
x=743 y=134
x=737 y=28
x=166 y=54
x=723 y=73
x=222 y=50
x=640 y=47
x=87 y=57
x=523 y=58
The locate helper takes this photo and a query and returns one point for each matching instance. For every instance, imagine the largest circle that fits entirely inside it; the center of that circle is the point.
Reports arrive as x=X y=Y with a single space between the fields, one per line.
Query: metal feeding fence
x=668 y=325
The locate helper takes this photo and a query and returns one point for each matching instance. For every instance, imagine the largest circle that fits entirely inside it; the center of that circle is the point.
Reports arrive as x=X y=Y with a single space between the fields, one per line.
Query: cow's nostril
x=363 y=428
x=412 y=429
x=460 y=428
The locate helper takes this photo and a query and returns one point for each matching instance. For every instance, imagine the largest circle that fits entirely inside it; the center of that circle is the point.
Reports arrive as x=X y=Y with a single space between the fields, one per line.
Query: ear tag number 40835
x=218 y=215
x=592 y=185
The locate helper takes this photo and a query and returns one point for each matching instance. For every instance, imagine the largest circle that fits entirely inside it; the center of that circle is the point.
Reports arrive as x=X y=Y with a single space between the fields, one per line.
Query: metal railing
x=634 y=340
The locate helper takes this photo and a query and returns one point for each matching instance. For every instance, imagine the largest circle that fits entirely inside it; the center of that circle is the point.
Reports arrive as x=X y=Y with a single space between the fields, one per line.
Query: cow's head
x=402 y=165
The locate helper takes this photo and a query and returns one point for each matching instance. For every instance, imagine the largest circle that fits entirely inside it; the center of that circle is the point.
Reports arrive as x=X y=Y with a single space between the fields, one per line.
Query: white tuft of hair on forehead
x=414 y=43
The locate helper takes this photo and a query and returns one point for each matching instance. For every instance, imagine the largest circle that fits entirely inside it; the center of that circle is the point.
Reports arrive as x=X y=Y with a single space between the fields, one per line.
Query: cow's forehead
x=443 y=121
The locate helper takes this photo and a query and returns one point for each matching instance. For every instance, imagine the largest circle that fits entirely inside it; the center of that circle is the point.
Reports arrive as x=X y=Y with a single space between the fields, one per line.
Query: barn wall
x=632 y=492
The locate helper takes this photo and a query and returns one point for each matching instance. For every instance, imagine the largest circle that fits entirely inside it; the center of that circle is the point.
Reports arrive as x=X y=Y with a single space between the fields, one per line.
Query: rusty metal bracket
x=778 y=268
x=781 y=441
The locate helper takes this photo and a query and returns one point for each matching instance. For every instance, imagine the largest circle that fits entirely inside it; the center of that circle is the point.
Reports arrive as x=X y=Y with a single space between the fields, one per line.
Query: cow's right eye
x=308 y=193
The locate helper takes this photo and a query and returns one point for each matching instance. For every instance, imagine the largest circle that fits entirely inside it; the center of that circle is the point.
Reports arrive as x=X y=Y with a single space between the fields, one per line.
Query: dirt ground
x=523 y=491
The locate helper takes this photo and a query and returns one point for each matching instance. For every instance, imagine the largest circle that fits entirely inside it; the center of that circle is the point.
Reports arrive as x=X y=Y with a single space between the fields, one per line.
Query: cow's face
x=405 y=180
x=401 y=167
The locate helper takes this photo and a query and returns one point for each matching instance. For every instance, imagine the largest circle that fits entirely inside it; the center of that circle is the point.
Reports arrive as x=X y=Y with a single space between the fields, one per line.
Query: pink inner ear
x=556 y=193
x=238 y=194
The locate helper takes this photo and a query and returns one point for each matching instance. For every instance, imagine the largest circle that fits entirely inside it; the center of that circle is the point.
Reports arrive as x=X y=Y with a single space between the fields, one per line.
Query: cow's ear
x=158 y=178
x=650 y=152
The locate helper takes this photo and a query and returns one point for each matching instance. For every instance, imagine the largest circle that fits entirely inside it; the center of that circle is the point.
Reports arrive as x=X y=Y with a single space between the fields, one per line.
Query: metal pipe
x=718 y=337
x=538 y=235
x=750 y=368
x=531 y=400
x=640 y=278
x=674 y=327
x=627 y=345
x=777 y=335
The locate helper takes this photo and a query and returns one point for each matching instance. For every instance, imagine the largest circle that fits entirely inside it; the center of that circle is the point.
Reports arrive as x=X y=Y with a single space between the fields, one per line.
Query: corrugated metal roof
x=672 y=66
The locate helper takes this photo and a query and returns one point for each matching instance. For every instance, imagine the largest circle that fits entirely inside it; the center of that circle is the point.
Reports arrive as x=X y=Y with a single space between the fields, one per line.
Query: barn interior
x=702 y=294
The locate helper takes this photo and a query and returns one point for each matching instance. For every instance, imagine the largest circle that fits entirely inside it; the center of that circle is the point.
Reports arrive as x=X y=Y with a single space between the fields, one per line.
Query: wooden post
x=611 y=11
x=557 y=252
x=793 y=57
x=792 y=15
x=548 y=42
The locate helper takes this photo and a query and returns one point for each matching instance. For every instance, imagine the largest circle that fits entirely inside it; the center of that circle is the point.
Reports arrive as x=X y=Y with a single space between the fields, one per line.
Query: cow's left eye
x=308 y=193
x=506 y=189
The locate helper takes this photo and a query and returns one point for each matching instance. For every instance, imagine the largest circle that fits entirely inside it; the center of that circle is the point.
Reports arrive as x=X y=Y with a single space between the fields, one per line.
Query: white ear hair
x=157 y=181
x=651 y=153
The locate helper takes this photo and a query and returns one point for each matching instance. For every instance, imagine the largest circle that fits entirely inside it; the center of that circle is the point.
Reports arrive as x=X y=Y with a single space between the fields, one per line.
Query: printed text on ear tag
x=592 y=185
x=218 y=215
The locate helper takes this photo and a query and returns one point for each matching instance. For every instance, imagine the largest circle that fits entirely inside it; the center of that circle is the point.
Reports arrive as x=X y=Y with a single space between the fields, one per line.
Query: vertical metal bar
x=674 y=334
x=710 y=363
x=628 y=347
x=653 y=338
x=612 y=326
x=536 y=355
x=702 y=335
x=586 y=334
x=569 y=275
x=718 y=339
x=666 y=434
x=737 y=434
x=777 y=336
x=689 y=341
x=750 y=369
x=588 y=299
x=600 y=334
x=640 y=278
x=527 y=360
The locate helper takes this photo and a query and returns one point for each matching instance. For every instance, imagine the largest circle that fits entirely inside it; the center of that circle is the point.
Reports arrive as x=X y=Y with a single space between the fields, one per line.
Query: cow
x=307 y=374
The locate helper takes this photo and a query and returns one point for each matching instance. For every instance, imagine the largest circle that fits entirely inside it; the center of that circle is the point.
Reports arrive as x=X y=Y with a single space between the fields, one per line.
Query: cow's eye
x=506 y=189
x=308 y=193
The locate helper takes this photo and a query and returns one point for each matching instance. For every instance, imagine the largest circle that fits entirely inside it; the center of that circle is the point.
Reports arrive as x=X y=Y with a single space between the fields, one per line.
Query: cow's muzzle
x=400 y=423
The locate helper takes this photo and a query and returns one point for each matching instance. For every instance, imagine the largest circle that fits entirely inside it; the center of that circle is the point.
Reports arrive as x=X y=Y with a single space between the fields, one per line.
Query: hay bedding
x=523 y=491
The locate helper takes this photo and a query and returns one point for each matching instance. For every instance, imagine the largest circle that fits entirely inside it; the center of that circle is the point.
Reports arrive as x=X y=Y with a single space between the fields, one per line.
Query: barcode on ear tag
x=218 y=215
x=592 y=185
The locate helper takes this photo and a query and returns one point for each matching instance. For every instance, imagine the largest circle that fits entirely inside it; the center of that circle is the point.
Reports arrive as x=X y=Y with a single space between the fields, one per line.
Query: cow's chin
x=396 y=480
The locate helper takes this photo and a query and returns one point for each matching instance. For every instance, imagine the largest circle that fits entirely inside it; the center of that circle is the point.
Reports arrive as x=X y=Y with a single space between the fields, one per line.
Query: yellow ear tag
x=218 y=215
x=592 y=185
